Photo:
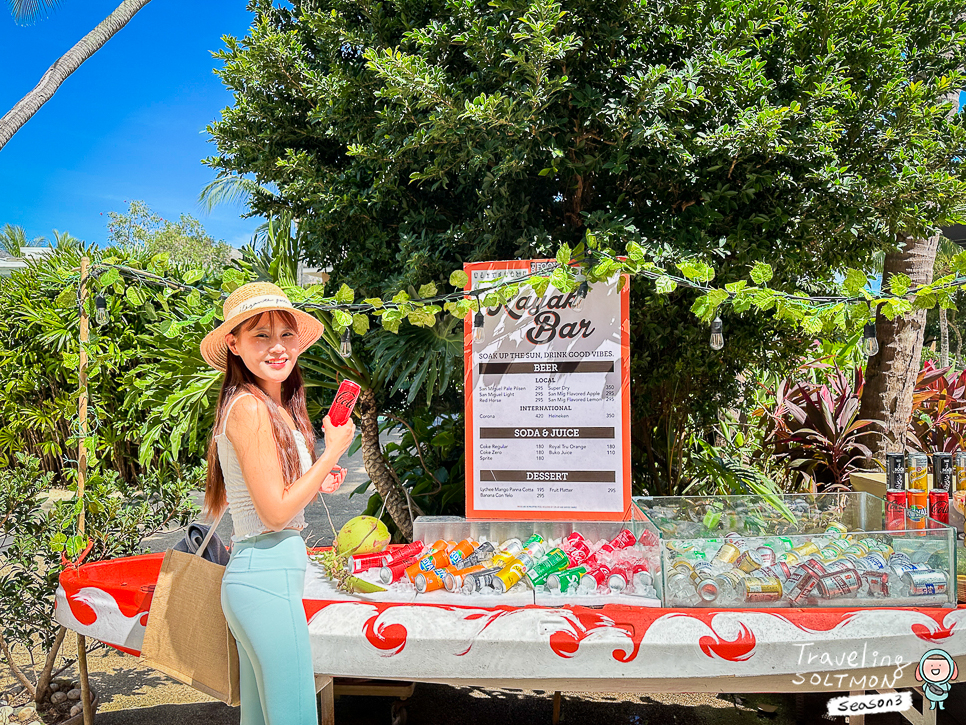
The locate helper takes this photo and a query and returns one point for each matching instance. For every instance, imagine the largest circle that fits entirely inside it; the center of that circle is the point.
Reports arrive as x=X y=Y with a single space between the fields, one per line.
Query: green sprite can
x=555 y=560
x=565 y=581
x=535 y=539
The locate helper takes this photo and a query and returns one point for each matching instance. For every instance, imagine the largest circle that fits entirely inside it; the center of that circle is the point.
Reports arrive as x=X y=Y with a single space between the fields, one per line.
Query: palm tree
x=12 y=238
x=26 y=10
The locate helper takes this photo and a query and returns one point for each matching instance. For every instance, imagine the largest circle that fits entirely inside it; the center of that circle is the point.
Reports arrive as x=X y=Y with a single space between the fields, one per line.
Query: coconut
x=362 y=535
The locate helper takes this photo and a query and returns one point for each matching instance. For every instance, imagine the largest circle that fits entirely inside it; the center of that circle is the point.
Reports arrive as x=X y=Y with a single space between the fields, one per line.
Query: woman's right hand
x=338 y=437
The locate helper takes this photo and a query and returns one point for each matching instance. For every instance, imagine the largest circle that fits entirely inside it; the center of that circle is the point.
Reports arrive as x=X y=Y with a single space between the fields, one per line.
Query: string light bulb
x=478 y=326
x=717 y=334
x=345 y=344
x=582 y=291
x=869 y=343
x=100 y=311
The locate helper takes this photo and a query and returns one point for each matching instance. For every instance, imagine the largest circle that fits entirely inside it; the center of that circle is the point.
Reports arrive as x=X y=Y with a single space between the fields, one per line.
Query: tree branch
x=16 y=670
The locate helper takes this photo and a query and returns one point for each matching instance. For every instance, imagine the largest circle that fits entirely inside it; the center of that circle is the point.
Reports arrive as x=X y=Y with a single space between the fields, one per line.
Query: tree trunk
x=943 y=339
x=377 y=468
x=17 y=116
x=890 y=376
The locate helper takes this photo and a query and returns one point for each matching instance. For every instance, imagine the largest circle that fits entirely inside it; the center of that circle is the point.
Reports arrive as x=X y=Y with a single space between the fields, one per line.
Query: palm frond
x=231 y=190
x=27 y=11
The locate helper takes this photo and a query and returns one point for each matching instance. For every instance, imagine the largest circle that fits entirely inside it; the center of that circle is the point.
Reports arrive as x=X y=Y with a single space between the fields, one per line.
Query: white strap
x=224 y=422
x=211 y=532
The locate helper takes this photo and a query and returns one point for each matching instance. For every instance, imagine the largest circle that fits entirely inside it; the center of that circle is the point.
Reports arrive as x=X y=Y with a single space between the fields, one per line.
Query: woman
x=260 y=465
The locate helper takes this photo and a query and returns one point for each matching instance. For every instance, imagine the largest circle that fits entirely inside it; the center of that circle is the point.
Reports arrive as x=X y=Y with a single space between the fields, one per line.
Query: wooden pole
x=82 y=475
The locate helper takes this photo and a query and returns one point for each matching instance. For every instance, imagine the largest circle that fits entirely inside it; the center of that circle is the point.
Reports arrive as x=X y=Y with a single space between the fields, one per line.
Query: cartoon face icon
x=936 y=669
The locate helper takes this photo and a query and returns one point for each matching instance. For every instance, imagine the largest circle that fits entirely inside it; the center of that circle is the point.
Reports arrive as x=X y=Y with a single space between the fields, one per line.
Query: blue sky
x=129 y=124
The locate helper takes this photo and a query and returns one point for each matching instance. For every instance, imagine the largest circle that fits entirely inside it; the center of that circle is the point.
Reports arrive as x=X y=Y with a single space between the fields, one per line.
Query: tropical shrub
x=938 y=421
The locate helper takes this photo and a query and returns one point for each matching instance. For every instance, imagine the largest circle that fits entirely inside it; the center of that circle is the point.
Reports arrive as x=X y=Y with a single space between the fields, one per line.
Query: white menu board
x=547 y=402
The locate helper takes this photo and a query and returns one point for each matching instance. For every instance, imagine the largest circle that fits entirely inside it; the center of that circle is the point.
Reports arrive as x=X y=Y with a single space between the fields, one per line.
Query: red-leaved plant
x=938 y=411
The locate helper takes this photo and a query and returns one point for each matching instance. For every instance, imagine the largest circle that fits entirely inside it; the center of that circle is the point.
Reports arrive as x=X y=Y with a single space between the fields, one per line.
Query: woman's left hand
x=333 y=480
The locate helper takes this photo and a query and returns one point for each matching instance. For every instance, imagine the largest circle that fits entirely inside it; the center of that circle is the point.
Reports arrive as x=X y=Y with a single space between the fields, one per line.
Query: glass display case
x=517 y=563
x=800 y=550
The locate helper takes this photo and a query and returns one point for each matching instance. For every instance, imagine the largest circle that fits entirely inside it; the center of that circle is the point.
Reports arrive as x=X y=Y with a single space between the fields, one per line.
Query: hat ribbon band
x=256 y=302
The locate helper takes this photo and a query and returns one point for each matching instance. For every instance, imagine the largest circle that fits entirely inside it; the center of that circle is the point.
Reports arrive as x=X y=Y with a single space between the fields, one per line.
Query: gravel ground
x=133 y=694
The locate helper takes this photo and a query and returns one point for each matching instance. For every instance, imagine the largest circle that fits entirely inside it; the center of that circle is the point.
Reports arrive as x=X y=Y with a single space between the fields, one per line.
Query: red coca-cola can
x=595 y=578
x=345 y=400
x=359 y=563
x=406 y=552
x=392 y=573
x=624 y=540
x=648 y=538
x=896 y=502
x=577 y=553
x=939 y=506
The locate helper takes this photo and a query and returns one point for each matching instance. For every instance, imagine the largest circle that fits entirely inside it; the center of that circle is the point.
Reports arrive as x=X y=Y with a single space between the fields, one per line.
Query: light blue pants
x=261 y=594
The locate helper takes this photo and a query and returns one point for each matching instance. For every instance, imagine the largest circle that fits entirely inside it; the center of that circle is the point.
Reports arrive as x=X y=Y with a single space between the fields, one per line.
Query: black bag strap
x=211 y=532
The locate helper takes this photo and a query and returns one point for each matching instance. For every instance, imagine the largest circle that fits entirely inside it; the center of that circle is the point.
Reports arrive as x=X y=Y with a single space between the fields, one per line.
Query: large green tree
x=410 y=137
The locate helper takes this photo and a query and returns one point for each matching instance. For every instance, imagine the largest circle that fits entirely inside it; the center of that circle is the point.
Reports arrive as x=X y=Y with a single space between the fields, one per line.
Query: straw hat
x=246 y=302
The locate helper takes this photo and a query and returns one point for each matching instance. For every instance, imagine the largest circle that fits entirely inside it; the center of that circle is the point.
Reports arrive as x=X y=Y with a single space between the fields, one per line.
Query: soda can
x=875 y=560
x=766 y=555
x=509 y=549
x=877 y=582
x=939 y=506
x=899 y=558
x=359 y=563
x=959 y=464
x=453 y=580
x=572 y=539
x=916 y=511
x=429 y=581
x=624 y=540
x=942 y=472
x=404 y=552
x=392 y=573
x=641 y=577
x=747 y=562
x=461 y=551
x=896 y=502
x=924 y=583
x=901 y=568
x=839 y=583
x=345 y=400
x=577 y=551
x=436 y=560
x=509 y=575
x=761 y=590
x=917 y=470
x=480 y=554
x=802 y=589
x=895 y=472
x=479 y=580
x=727 y=554
x=707 y=589
x=534 y=539
x=598 y=577
x=565 y=581
x=555 y=560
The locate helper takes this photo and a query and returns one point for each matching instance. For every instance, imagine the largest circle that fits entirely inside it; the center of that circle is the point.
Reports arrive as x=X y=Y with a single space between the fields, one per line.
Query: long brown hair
x=239 y=379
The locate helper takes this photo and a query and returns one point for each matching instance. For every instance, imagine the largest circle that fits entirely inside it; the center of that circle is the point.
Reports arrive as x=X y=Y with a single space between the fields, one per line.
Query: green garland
x=576 y=269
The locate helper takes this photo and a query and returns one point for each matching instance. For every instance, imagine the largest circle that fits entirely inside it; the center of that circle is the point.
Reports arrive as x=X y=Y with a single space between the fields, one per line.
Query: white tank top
x=244 y=518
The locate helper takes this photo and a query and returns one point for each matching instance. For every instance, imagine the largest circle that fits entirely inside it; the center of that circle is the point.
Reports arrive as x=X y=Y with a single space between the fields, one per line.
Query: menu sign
x=548 y=402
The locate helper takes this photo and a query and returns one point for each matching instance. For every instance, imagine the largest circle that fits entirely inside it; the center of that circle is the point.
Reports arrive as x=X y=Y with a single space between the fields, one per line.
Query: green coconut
x=362 y=535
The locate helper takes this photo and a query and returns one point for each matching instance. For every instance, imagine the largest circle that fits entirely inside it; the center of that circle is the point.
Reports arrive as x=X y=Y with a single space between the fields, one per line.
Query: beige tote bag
x=187 y=636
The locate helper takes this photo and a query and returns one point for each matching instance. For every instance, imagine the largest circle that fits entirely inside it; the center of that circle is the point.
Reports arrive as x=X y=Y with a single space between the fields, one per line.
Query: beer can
x=789 y=557
x=857 y=549
x=479 y=580
x=874 y=560
x=683 y=565
x=942 y=472
x=917 y=470
x=923 y=583
x=453 y=580
x=837 y=529
x=555 y=560
x=901 y=568
x=429 y=581
x=359 y=563
x=766 y=555
x=939 y=506
x=839 y=583
x=727 y=554
x=829 y=553
x=779 y=569
x=761 y=590
x=916 y=511
x=461 y=551
x=839 y=565
x=877 y=582
x=707 y=589
x=747 y=562
x=899 y=558
x=799 y=594
x=896 y=502
x=814 y=566
x=895 y=472
x=736 y=539
x=565 y=581
x=731 y=579
x=959 y=464
x=806 y=549
x=624 y=540
x=479 y=556
x=397 y=570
